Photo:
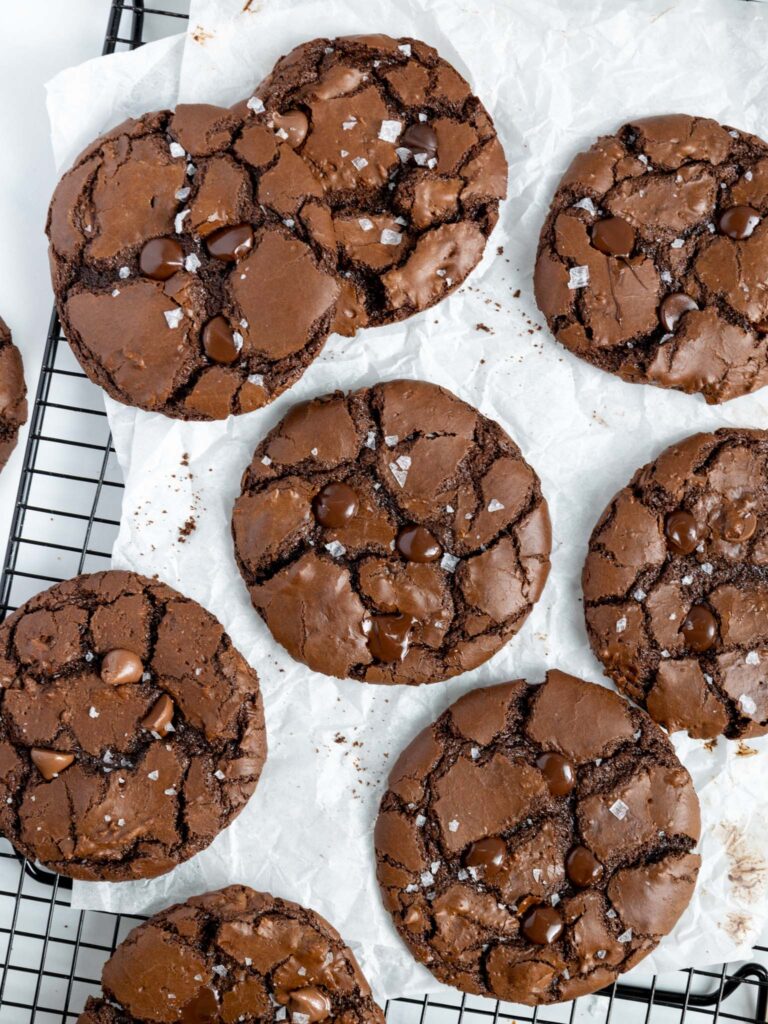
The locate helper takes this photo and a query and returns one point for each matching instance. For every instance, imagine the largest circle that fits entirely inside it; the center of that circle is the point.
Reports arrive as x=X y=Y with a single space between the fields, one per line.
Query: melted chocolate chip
x=389 y=636
x=120 y=667
x=310 y=1002
x=737 y=523
x=294 y=123
x=542 y=925
x=420 y=138
x=50 y=762
x=417 y=544
x=160 y=717
x=613 y=236
x=335 y=505
x=203 y=1009
x=487 y=856
x=582 y=867
x=219 y=341
x=738 y=222
x=699 y=629
x=672 y=308
x=559 y=773
x=681 y=531
x=230 y=243
x=161 y=258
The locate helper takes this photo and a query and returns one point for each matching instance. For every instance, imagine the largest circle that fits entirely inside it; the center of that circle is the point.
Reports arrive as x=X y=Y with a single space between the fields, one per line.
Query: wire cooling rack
x=66 y=519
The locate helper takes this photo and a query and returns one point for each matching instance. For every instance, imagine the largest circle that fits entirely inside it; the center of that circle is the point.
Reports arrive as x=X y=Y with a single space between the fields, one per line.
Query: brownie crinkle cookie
x=653 y=259
x=393 y=535
x=13 y=394
x=676 y=585
x=233 y=956
x=535 y=841
x=131 y=730
x=181 y=281
x=411 y=166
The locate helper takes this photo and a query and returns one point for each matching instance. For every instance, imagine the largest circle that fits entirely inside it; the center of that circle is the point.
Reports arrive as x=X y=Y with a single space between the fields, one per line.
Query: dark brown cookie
x=535 y=841
x=675 y=585
x=181 y=281
x=410 y=162
x=13 y=394
x=131 y=730
x=393 y=535
x=653 y=258
x=233 y=955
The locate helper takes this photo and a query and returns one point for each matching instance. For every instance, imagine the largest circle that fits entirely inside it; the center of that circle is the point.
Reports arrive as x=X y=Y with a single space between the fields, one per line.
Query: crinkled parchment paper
x=554 y=74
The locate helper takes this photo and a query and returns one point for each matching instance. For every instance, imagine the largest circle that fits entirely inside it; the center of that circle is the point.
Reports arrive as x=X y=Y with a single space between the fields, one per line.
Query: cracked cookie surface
x=535 y=841
x=652 y=260
x=393 y=535
x=180 y=281
x=676 y=585
x=233 y=955
x=13 y=394
x=131 y=730
x=411 y=166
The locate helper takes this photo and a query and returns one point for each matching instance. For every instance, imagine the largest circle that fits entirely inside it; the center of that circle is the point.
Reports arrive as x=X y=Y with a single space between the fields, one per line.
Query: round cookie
x=652 y=260
x=676 y=585
x=233 y=955
x=181 y=281
x=393 y=535
x=535 y=841
x=131 y=730
x=412 y=168
x=13 y=394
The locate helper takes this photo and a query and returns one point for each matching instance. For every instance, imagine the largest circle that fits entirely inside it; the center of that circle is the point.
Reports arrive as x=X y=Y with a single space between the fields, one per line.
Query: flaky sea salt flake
x=390 y=237
x=399 y=468
x=365 y=223
x=626 y=936
x=405 y=49
x=747 y=705
x=93 y=713
x=449 y=562
x=426 y=878
x=177 y=150
x=753 y=658
x=192 y=263
x=390 y=131
x=155 y=775
x=619 y=810
x=578 y=277
x=173 y=317
x=453 y=825
x=255 y=104
x=621 y=624
x=639 y=594
x=677 y=243
x=586 y=204
x=124 y=272
x=359 y=162
x=494 y=505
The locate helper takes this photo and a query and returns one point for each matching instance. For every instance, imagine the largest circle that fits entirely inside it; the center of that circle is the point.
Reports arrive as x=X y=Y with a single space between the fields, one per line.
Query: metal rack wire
x=65 y=521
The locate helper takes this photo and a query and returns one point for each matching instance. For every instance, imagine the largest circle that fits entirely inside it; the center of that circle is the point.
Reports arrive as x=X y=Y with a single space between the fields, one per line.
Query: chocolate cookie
x=535 y=841
x=653 y=258
x=13 y=394
x=676 y=585
x=181 y=281
x=393 y=535
x=233 y=955
x=412 y=169
x=131 y=730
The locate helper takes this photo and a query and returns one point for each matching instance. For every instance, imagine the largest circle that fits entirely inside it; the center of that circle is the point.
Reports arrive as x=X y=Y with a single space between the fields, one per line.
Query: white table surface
x=40 y=37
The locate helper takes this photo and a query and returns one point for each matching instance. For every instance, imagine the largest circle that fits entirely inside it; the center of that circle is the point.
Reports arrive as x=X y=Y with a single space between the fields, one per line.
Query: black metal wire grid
x=66 y=518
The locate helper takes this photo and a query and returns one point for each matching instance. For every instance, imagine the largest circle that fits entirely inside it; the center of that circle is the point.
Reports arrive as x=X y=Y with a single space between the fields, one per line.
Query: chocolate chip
x=737 y=523
x=313 y=1004
x=681 y=531
x=335 y=505
x=219 y=342
x=583 y=867
x=161 y=258
x=417 y=544
x=487 y=856
x=203 y=1009
x=120 y=666
x=389 y=636
x=613 y=236
x=738 y=222
x=672 y=307
x=542 y=925
x=699 y=629
x=294 y=123
x=558 y=771
x=420 y=138
x=230 y=243
x=50 y=762
x=160 y=716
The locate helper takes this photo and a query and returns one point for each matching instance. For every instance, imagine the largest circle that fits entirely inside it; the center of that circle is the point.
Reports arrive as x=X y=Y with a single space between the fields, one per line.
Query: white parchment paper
x=554 y=74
